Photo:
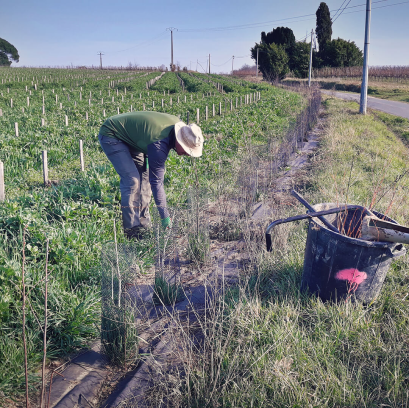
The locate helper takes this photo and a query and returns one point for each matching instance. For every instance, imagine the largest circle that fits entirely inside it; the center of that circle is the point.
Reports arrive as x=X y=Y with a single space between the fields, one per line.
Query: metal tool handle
x=308 y=215
x=301 y=199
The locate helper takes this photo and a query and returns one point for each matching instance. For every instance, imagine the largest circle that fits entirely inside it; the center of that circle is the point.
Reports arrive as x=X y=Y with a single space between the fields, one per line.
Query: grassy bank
x=394 y=91
x=398 y=125
x=270 y=345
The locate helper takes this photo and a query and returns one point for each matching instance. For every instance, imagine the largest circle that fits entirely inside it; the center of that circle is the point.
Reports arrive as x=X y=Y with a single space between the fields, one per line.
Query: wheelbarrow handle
x=305 y=216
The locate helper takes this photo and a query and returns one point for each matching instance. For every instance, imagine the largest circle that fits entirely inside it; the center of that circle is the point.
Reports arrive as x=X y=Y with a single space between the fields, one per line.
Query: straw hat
x=190 y=138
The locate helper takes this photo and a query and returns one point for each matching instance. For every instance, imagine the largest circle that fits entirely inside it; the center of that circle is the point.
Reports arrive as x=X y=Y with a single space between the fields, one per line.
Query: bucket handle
x=305 y=216
x=397 y=250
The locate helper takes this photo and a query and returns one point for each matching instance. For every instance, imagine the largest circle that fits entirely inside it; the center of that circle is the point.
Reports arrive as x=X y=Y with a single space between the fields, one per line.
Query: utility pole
x=100 y=59
x=257 y=63
x=171 y=29
x=364 y=86
x=209 y=63
x=197 y=63
x=309 y=71
x=232 y=62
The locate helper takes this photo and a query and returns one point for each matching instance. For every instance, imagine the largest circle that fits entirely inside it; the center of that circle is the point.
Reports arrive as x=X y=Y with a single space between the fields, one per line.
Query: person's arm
x=157 y=155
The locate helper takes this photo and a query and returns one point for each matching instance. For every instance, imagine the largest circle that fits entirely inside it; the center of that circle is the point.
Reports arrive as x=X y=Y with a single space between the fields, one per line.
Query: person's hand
x=166 y=223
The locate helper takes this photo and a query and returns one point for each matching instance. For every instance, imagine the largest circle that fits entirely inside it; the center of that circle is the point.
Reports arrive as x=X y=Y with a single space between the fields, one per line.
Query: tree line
x=280 y=53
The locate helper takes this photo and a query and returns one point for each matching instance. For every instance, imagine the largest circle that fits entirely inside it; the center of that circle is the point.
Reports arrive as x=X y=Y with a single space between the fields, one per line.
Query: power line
x=338 y=10
x=374 y=8
x=219 y=65
x=162 y=34
x=254 y=25
x=302 y=39
x=333 y=21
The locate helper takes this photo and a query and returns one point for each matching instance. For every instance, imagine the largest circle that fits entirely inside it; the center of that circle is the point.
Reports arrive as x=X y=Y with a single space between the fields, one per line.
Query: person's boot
x=137 y=232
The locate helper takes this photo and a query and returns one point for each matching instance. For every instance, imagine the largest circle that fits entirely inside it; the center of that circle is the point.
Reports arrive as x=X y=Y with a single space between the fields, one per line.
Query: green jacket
x=139 y=129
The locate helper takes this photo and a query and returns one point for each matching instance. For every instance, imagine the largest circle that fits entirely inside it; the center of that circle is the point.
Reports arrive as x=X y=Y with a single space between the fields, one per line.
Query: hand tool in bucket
x=309 y=215
x=372 y=229
x=337 y=264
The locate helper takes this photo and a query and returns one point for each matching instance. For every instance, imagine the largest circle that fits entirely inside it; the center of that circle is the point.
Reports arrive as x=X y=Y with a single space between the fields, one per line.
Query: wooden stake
x=82 y=156
x=45 y=167
x=42 y=122
x=66 y=120
x=16 y=128
x=207 y=112
x=2 y=189
x=197 y=116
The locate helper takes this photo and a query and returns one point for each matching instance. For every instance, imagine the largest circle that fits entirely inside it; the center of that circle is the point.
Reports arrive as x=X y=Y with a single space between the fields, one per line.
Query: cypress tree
x=324 y=25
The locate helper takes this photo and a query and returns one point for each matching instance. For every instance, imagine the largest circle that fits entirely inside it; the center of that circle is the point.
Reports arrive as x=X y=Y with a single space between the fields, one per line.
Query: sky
x=64 y=33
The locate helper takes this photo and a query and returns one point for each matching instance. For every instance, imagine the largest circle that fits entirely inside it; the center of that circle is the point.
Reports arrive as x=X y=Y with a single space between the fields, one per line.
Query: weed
x=167 y=293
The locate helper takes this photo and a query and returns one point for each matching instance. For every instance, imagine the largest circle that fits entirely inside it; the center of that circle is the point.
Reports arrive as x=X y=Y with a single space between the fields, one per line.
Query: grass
x=394 y=91
x=167 y=293
x=398 y=125
x=269 y=345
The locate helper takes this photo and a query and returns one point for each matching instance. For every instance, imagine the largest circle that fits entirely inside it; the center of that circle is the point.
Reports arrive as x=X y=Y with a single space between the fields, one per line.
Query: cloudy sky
x=62 y=33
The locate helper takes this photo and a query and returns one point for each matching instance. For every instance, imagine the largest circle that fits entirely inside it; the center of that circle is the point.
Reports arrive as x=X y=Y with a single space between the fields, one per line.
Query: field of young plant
x=52 y=110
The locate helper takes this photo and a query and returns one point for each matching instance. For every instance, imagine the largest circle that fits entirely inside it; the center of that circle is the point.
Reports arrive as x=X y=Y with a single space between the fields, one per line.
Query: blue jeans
x=136 y=192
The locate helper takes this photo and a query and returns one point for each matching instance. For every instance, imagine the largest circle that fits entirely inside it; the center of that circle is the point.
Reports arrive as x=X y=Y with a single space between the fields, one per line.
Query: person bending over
x=137 y=144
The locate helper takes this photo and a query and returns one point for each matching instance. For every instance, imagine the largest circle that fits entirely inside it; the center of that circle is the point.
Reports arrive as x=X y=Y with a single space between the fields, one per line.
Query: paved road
x=392 y=107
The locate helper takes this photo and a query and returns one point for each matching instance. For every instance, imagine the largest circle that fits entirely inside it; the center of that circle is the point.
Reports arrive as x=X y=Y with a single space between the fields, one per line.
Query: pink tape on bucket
x=353 y=276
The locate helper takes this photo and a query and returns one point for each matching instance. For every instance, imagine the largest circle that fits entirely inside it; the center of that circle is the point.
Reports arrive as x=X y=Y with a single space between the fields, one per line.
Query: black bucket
x=337 y=267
